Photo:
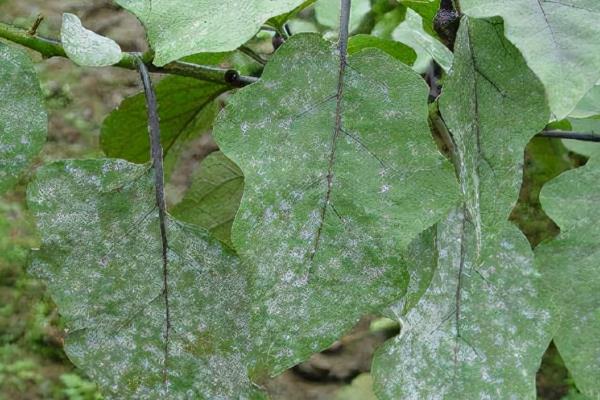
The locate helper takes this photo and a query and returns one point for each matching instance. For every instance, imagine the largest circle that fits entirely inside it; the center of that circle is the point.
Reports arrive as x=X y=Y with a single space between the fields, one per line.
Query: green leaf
x=327 y=13
x=23 y=120
x=185 y=107
x=333 y=189
x=481 y=328
x=570 y=268
x=214 y=196
x=560 y=41
x=180 y=28
x=399 y=51
x=101 y=256
x=87 y=48
x=411 y=33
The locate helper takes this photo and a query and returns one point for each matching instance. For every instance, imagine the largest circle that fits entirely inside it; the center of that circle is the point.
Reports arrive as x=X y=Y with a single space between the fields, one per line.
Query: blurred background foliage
x=32 y=363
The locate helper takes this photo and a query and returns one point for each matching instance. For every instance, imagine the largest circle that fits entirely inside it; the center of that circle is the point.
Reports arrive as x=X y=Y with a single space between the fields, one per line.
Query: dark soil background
x=32 y=363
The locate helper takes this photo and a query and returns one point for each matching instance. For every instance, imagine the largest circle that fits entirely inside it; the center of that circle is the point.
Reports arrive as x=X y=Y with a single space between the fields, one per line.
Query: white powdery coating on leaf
x=101 y=255
x=23 y=119
x=87 y=48
x=322 y=225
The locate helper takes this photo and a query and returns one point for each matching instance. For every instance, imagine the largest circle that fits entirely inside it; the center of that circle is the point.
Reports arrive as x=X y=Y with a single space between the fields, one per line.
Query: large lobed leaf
x=101 y=255
x=560 y=40
x=341 y=173
x=480 y=329
x=571 y=270
x=179 y=28
x=23 y=119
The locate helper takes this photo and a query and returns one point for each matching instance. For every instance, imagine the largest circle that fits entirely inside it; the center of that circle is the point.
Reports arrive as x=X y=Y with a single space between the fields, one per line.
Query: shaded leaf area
x=560 y=40
x=341 y=174
x=399 y=51
x=214 y=196
x=481 y=328
x=101 y=257
x=23 y=119
x=181 y=28
x=570 y=269
x=87 y=48
x=186 y=108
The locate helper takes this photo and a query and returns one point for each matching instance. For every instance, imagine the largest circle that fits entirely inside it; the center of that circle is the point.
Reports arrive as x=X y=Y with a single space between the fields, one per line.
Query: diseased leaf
x=214 y=196
x=327 y=13
x=180 y=28
x=23 y=119
x=482 y=327
x=570 y=267
x=185 y=106
x=341 y=173
x=87 y=48
x=101 y=255
x=399 y=51
x=411 y=33
x=560 y=40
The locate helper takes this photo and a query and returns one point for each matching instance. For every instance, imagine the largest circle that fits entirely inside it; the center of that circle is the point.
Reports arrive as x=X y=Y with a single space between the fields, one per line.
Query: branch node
x=36 y=24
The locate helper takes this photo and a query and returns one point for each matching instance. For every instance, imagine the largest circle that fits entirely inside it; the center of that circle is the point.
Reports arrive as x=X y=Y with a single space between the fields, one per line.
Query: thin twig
x=36 y=24
x=53 y=48
x=156 y=154
x=585 y=136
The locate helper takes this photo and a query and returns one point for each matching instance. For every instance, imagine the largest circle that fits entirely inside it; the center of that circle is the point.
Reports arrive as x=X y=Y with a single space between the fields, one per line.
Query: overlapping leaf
x=101 y=255
x=560 y=39
x=180 y=28
x=570 y=265
x=23 y=120
x=341 y=173
x=481 y=328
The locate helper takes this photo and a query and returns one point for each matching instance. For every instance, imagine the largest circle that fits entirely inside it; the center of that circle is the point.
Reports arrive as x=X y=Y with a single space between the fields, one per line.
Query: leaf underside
x=23 y=119
x=340 y=176
x=179 y=28
x=480 y=329
x=559 y=39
